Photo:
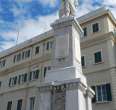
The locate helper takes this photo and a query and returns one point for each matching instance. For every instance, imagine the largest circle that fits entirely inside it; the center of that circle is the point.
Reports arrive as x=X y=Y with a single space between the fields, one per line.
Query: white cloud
x=109 y=2
x=84 y=8
x=31 y=27
x=6 y=45
x=88 y=6
x=46 y=2
x=18 y=11
x=28 y=29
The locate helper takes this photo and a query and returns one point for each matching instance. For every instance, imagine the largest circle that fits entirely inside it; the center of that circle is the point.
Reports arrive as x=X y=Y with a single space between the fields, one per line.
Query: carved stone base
x=65 y=95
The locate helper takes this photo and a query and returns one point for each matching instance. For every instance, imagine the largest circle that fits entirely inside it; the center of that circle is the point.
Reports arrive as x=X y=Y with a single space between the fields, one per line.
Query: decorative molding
x=97 y=39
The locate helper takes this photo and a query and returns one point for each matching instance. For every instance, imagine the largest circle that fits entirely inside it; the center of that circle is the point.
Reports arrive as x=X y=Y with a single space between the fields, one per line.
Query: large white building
x=98 y=48
x=45 y=72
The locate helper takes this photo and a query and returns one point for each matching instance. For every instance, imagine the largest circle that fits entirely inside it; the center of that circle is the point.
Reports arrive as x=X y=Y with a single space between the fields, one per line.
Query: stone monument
x=65 y=87
x=68 y=8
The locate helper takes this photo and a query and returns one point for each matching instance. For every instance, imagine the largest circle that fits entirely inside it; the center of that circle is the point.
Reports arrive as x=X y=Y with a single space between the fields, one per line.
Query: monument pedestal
x=65 y=95
x=65 y=87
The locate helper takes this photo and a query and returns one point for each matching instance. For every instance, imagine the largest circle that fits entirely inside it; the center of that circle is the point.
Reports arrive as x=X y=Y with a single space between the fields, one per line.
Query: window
x=95 y=27
x=83 y=61
x=36 y=74
x=15 y=80
x=22 y=56
x=0 y=83
x=37 y=49
x=45 y=70
x=24 y=78
x=32 y=103
x=27 y=54
x=19 y=104
x=85 y=31
x=19 y=79
x=102 y=93
x=2 y=63
x=9 y=105
x=47 y=46
x=30 y=76
x=10 y=82
x=19 y=57
x=98 y=57
x=14 y=59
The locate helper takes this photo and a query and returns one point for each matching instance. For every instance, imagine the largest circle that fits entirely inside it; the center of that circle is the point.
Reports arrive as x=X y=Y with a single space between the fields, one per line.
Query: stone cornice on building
x=87 y=42
x=24 y=64
x=96 y=14
x=102 y=70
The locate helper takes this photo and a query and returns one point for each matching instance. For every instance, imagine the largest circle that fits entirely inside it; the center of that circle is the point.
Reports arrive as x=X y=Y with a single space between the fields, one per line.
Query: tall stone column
x=67 y=33
x=67 y=68
x=67 y=54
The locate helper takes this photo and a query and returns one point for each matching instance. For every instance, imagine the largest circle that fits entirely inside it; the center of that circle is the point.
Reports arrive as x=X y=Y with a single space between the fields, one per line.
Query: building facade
x=98 y=47
x=26 y=69
x=45 y=72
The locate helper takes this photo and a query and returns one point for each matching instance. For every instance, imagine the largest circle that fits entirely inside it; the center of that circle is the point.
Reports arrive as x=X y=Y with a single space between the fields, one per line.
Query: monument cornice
x=65 y=22
x=66 y=85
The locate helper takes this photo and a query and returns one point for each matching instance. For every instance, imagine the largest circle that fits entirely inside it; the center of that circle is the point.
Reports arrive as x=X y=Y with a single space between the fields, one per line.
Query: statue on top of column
x=68 y=8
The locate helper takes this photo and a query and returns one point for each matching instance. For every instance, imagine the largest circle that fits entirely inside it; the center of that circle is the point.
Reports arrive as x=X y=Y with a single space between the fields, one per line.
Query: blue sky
x=32 y=17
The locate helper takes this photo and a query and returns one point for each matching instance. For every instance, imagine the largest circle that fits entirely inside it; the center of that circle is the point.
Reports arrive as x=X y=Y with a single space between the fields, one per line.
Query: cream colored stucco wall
x=111 y=26
x=102 y=24
x=102 y=73
x=89 y=57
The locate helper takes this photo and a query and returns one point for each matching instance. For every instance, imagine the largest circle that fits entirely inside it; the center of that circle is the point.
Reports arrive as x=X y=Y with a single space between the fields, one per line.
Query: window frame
x=30 y=102
x=84 y=61
x=2 y=63
x=102 y=60
x=37 y=49
x=108 y=99
x=85 y=32
x=94 y=31
x=9 y=102
x=20 y=100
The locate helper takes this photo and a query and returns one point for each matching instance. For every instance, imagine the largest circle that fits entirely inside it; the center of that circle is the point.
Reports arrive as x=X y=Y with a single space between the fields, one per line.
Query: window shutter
x=45 y=70
x=19 y=79
x=10 y=82
x=98 y=57
x=25 y=77
x=37 y=74
x=108 y=89
x=30 y=76
x=37 y=50
x=19 y=104
x=15 y=80
x=9 y=105
x=94 y=98
x=83 y=61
